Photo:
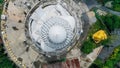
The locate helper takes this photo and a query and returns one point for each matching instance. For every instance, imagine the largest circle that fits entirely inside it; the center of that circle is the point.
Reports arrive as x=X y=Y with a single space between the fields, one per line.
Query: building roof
x=74 y=63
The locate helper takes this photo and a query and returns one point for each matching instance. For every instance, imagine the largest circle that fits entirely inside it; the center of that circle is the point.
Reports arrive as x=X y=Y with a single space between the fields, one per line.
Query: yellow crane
x=99 y=36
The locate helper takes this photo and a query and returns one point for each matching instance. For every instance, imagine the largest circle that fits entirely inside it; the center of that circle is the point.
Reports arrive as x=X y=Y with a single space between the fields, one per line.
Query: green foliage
x=95 y=27
x=108 y=40
x=115 y=54
x=1 y=1
x=117 y=1
x=0 y=11
x=4 y=60
x=114 y=58
x=116 y=7
x=6 y=63
x=111 y=21
x=110 y=62
x=97 y=64
x=88 y=47
x=115 y=4
x=60 y=60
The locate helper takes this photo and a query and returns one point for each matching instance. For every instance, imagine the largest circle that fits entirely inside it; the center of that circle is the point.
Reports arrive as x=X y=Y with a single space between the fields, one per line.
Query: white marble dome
x=57 y=34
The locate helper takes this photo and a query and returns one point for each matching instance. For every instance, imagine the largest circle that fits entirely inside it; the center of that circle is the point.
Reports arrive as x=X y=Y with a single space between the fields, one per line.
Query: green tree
x=97 y=64
x=88 y=47
x=1 y=1
x=109 y=63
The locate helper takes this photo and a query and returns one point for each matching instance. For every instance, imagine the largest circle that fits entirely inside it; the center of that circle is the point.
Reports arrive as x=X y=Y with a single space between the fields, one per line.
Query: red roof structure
x=74 y=63
x=1 y=40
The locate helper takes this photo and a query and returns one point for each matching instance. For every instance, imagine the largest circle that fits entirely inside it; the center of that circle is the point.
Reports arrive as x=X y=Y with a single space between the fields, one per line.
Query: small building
x=3 y=17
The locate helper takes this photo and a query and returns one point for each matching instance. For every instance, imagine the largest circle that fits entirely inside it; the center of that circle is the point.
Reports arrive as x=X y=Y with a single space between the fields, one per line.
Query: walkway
x=107 y=51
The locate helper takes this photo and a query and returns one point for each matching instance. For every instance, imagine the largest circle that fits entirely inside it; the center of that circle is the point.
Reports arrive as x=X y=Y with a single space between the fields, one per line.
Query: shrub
x=88 y=47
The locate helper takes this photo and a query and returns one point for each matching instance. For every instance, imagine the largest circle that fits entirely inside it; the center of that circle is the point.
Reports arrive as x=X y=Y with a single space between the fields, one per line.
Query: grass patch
x=89 y=45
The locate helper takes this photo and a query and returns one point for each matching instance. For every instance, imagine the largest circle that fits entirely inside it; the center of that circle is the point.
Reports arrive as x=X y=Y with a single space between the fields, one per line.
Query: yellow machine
x=99 y=36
